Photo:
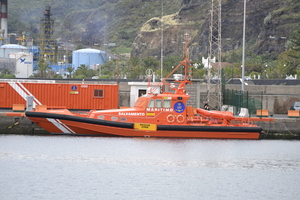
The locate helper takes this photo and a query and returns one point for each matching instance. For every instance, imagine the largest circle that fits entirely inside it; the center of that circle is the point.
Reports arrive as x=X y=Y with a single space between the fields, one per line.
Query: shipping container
x=60 y=95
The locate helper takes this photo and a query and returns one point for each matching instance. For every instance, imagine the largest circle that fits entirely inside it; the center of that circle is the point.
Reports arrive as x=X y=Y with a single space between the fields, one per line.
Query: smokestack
x=4 y=17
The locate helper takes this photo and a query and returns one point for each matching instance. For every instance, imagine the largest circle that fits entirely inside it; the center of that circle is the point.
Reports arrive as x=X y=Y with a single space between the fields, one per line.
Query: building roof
x=89 y=50
x=266 y=81
x=12 y=46
x=276 y=81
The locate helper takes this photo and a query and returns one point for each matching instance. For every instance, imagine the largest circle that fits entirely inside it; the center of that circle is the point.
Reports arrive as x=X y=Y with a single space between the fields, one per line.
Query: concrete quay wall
x=277 y=99
x=19 y=125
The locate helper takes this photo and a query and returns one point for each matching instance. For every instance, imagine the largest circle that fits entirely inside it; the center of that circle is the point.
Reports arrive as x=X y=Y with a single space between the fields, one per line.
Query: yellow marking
x=145 y=127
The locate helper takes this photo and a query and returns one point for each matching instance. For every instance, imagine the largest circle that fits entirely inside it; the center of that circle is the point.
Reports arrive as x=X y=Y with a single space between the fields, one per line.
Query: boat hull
x=76 y=125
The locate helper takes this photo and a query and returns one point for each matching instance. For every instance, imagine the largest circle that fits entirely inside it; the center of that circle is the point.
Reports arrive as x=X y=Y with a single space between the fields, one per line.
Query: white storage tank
x=7 y=49
x=89 y=57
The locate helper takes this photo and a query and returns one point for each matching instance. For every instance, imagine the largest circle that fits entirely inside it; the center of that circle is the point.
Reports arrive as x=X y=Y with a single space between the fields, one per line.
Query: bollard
x=29 y=103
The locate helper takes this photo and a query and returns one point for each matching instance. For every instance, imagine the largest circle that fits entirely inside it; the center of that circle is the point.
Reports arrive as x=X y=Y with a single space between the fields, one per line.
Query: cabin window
x=114 y=118
x=151 y=103
x=142 y=92
x=158 y=103
x=101 y=117
x=122 y=119
x=98 y=93
x=167 y=104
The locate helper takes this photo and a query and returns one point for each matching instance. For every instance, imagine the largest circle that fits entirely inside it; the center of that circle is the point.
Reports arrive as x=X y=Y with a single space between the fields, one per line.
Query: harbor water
x=67 y=167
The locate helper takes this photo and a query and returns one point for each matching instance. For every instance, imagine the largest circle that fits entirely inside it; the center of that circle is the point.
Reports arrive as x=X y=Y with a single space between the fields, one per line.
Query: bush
x=79 y=77
x=9 y=76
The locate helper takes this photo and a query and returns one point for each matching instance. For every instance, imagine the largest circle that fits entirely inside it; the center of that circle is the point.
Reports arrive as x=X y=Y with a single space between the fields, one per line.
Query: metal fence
x=242 y=99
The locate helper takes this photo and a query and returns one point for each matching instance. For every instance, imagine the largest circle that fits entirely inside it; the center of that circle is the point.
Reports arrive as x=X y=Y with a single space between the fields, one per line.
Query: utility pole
x=162 y=42
x=244 y=36
x=214 y=94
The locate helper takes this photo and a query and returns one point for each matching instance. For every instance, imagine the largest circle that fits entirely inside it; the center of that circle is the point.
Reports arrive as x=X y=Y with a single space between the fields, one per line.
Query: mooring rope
x=268 y=130
x=287 y=128
x=16 y=123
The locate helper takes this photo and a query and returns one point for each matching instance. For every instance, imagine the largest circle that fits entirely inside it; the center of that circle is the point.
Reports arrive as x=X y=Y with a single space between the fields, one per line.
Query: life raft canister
x=180 y=118
x=170 y=118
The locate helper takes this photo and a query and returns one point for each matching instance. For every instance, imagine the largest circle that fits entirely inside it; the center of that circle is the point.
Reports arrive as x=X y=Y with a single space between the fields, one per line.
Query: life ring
x=170 y=118
x=180 y=118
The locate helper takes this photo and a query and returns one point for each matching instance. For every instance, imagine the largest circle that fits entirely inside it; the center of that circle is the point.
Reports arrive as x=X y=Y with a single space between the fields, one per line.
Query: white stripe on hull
x=61 y=126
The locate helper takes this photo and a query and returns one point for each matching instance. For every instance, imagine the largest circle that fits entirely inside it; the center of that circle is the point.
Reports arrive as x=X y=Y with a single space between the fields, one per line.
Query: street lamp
x=99 y=67
x=244 y=36
x=266 y=70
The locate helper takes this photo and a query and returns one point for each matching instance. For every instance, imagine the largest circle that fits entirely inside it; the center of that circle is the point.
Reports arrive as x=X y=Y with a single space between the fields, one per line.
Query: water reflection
x=63 y=167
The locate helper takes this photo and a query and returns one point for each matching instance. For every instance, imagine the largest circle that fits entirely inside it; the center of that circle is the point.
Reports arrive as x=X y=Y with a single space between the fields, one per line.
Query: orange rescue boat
x=163 y=114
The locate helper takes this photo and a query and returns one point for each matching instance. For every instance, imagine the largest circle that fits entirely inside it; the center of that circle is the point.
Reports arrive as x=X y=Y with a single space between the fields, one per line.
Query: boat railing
x=80 y=113
x=56 y=107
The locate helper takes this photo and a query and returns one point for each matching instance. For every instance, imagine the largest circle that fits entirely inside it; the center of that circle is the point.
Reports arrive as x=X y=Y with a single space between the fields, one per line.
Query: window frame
x=169 y=104
x=151 y=103
x=156 y=103
x=98 y=95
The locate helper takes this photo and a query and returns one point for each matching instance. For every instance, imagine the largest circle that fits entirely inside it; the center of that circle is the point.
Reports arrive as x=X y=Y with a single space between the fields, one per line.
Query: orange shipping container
x=55 y=95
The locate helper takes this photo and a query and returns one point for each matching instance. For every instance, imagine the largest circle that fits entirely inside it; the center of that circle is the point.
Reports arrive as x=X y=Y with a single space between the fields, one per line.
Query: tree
x=169 y=63
x=7 y=74
x=256 y=63
x=150 y=63
x=288 y=62
x=135 y=67
x=82 y=71
x=294 y=51
x=43 y=68
x=6 y=71
x=108 y=69
x=198 y=73
x=261 y=65
x=70 y=70
x=229 y=72
x=295 y=41
x=233 y=56
x=123 y=69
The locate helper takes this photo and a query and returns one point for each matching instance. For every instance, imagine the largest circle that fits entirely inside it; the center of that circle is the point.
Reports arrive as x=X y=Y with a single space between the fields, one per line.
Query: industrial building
x=48 y=46
x=23 y=62
x=16 y=59
x=19 y=57
x=4 y=18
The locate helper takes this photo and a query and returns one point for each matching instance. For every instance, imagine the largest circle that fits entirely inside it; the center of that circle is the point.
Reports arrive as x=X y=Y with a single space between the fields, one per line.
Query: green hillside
x=88 y=22
x=135 y=26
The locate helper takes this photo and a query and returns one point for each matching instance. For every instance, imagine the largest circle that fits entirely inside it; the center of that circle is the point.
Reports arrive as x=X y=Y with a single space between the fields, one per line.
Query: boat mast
x=187 y=71
x=186 y=62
